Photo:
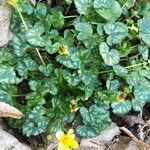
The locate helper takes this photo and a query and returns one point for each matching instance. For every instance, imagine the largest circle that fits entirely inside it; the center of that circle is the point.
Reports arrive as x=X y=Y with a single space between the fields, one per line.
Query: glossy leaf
x=36 y=122
x=85 y=30
x=121 y=107
x=138 y=104
x=144 y=28
x=108 y=9
x=83 y=6
x=120 y=70
x=95 y=120
x=7 y=75
x=111 y=57
x=116 y=31
x=71 y=61
x=144 y=50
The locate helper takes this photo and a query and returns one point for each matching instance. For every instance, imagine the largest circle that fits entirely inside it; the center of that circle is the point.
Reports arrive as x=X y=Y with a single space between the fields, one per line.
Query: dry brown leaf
x=9 y=111
x=5 y=33
x=141 y=144
x=132 y=120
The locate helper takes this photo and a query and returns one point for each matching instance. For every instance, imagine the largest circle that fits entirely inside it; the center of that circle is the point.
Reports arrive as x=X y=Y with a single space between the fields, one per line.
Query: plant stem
x=132 y=66
x=26 y=27
x=74 y=16
x=95 y=23
x=23 y=21
x=128 y=67
x=18 y=95
x=37 y=50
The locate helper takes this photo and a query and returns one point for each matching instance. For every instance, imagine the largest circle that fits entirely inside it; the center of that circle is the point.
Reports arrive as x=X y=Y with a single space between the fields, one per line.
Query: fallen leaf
x=9 y=111
x=5 y=33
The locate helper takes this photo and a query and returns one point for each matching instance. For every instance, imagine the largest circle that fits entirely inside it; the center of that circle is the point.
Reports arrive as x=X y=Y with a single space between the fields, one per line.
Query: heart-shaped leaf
x=85 y=30
x=111 y=57
x=117 y=32
x=83 y=6
x=108 y=9
x=144 y=28
x=121 y=107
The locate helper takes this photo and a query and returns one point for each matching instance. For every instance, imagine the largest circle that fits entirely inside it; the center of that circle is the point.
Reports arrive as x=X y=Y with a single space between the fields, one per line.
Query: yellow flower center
x=63 y=50
x=73 y=106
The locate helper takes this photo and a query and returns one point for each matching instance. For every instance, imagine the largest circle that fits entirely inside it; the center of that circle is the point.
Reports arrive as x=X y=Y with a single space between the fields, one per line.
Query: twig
x=138 y=142
x=53 y=147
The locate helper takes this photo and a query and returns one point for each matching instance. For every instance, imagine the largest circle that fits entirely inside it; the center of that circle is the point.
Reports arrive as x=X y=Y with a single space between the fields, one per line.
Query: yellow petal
x=62 y=146
x=59 y=135
x=73 y=143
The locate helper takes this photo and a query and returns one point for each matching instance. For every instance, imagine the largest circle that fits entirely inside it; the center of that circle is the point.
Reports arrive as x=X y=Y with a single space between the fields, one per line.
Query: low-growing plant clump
x=81 y=58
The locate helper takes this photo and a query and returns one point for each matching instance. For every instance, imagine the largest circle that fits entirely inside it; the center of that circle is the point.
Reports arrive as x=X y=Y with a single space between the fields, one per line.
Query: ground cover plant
x=76 y=59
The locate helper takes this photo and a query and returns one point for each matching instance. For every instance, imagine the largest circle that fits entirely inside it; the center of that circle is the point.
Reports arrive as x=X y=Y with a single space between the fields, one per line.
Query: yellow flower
x=63 y=50
x=66 y=141
x=12 y=2
x=74 y=106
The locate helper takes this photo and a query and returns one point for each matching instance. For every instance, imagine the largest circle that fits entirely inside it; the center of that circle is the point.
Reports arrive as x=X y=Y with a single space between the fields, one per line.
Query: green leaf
x=7 y=75
x=83 y=6
x=144 y=50
x=100 y=28
x=95 y=120
x=33 y=85
x=87 y=77
x=142 y=91
x=50 y=86
x=85 y=131
x=70 y=117
x=144 y=29
x=34 y=37
x=138 y=104
x=25 y=65
x=120 y=70
x=117 y=32
x=88 y=92
x=26 y=7
x=36 y=122
x=71 y=61
x=5 y=56
x=134 y=78
x=106 y=95
x=121 y=107
x=46 y=70
x=93 y=41
x=72 y=79
x=111 y=57
x=85 y=113
x=112 y=84
x=56 y=19
x=41 y=10
x=5 y=97
x=51 y=49
x=68 y=38
x=85 y=30
x=19 y=45
x=35 y=100
x=108 y=9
